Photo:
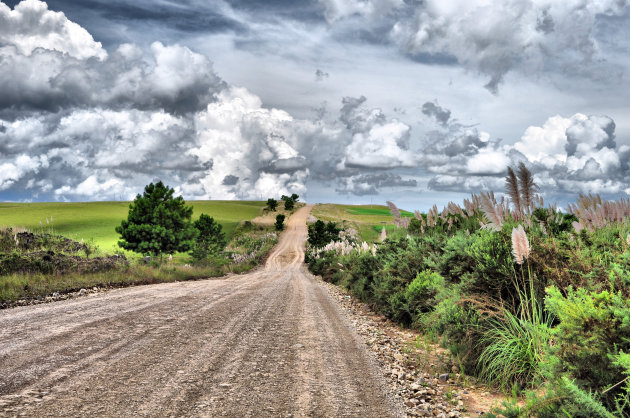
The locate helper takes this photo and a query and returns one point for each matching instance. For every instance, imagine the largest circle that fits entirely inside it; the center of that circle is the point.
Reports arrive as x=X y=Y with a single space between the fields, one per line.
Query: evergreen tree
x=157 y=223
x=211 y=239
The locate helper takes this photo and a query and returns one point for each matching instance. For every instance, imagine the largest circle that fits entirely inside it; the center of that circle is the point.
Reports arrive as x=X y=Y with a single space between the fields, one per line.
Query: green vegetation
x=38 y=263
x=52 y=265
x=272 y=204
x=320 y=233
x=279 y=222
x=367 y=220
x=96 y=221
x=210 y=239
x=290 y=201
x=535 y=302
x=158 y=223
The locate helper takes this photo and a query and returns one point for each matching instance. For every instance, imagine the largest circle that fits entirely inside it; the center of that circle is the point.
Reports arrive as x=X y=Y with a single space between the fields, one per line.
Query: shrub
x=210 y=239
x=591 y=339
x=421 y=292
x=279 y=222
x=272 y=204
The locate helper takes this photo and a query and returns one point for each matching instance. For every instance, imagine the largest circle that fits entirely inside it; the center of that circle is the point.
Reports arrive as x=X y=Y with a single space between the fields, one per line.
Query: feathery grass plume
x=444 y=214
x=628 y=239
x=527 y=187
x=417 y=215
x=455 y=209
x=493 y=213
x=470 y=206
x=393 y=209
x=383 y=234
x=402 y=222
x=511 y=187
x=520 y=244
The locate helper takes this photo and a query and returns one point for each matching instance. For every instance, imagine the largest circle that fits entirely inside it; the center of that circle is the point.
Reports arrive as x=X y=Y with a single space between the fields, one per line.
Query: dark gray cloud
x=174 y=79
x=230 y=180
x=521 y=35
x=321 y=75
x=432 y=109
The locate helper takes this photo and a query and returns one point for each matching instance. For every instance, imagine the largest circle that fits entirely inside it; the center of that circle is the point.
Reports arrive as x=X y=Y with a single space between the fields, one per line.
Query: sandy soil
x=268 y=343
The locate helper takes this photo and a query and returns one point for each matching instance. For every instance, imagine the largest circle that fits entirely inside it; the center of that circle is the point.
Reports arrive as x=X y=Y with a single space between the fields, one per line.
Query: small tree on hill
x=211 y=239
x=279 y=222
x=272 y=204
x=157 y=223
x=320 y=233
x=289 y=204
x=295 y=197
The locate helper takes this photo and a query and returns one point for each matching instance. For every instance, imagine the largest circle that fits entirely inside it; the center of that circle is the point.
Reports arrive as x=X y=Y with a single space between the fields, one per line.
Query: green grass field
x=97 y=220
x=368 y=220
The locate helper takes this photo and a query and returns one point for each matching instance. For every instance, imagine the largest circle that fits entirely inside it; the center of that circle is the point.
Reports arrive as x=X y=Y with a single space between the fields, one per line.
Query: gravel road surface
x=268 y=343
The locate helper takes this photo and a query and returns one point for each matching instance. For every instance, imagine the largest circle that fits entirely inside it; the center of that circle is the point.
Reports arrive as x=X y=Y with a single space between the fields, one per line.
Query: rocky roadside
x=419 y=372
x=57 y=296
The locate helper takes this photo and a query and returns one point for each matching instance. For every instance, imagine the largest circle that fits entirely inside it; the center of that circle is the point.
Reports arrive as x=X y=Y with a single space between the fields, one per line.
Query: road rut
x=269 y=343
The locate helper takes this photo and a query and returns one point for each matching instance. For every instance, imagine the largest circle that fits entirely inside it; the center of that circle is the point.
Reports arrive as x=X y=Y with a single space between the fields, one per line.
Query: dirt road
x=269 y=343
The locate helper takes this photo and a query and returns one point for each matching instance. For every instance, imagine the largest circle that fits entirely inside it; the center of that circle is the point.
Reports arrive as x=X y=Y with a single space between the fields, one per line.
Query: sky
x=420 y=102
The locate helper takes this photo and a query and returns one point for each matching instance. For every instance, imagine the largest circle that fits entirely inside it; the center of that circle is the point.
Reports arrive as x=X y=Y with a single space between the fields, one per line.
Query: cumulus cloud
x=172 y=78
x=31 y=26
x=243 y=140
x=78 y=122
x=377 y=142
x=578 y=153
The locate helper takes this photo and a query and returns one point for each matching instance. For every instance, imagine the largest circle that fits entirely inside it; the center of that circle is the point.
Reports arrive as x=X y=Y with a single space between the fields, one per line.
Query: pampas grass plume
x=520 y=245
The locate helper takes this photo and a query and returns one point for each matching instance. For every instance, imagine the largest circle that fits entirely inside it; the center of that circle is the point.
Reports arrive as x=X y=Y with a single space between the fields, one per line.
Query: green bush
x=590 y=341
x=421 y=292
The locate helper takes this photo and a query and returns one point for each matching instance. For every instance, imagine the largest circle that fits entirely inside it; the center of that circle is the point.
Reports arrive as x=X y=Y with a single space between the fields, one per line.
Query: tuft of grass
x=514 y=348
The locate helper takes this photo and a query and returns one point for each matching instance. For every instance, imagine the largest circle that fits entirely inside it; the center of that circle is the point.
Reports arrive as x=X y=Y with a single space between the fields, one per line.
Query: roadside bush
x=279 y=222
x=591 y=344
x=421 y=292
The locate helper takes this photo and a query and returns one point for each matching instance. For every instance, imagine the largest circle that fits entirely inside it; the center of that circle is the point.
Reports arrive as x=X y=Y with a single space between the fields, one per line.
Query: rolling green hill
x=97 y=220
x=368 y=220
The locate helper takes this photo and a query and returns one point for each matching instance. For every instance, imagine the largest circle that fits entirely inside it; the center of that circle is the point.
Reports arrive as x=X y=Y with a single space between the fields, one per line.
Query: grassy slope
x=97 y=220
x=366 y=219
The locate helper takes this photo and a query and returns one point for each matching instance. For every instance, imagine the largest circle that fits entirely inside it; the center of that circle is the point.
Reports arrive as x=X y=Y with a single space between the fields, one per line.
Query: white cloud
x=381 y=147
x=21 y=166
x=31 y=25
x=244 y=140
x=488 y=161
x=546 y=144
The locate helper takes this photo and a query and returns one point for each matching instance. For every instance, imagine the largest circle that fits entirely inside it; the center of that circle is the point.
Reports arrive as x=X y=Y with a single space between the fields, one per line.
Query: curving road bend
x=268 y=343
